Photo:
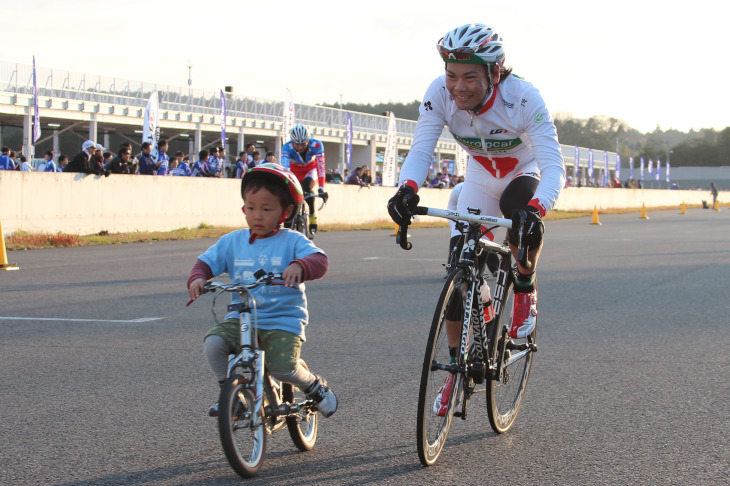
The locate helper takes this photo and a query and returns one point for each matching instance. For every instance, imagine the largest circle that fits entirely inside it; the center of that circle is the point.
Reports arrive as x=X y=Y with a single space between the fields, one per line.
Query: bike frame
x=475 y=243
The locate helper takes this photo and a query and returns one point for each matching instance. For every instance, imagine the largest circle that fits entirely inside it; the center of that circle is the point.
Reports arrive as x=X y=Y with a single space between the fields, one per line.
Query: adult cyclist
x=515 y=162
x=304 y=156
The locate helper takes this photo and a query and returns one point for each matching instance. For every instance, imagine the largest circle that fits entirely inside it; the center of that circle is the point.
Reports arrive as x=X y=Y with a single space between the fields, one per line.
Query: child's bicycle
x=486 y=352
x=300 y=222
x=252 y=404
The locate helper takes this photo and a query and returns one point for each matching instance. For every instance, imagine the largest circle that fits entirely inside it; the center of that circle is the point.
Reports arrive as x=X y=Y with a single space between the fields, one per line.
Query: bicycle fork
x=472 y=354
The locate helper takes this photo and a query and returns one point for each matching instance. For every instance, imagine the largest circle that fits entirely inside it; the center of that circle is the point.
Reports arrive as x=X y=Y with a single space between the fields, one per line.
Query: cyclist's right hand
x=403 y=204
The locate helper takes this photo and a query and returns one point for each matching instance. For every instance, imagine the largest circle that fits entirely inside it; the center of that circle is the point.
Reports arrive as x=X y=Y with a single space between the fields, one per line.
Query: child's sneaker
x=324 y=397
x=524 y=314
x=441 y=404
x=213 y=410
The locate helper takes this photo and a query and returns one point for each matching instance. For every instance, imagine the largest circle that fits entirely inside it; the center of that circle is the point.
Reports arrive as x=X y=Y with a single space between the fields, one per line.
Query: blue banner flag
x=348 y=139
x=36 y=117
x=605 y=179
x=618 y=167
x=650 y=168
x=223 y=120
x=658 y=168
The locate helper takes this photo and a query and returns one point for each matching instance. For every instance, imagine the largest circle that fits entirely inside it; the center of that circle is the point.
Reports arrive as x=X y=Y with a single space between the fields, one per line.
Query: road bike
x=252 y=404
x=486 y=356
x=300 y=222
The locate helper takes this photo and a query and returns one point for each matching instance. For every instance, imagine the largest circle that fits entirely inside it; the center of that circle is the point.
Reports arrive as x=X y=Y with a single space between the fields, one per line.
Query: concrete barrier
x=40 y=202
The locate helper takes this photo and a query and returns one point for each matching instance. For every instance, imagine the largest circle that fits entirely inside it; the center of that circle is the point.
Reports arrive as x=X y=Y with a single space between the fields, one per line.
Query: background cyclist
x=304 y=156
x=514 y=155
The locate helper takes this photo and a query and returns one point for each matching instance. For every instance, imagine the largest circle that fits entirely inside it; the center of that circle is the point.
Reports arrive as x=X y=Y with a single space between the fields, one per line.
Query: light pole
x=190 y=82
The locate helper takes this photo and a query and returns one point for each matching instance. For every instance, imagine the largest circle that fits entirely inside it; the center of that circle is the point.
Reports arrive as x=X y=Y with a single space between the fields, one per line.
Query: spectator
x=122 y=163
x=675 y=186
x=270 y=158
x=223 y=158
x=181 y=169
x=147 y=166
x=250 y=149
x=200 y=168
x=62 y=162
x=355 y=179
x=6 y=163
x=366 y=178
x=438 y=181
x=257 y=158
x=446 y=179
x=336 y=177
x=82 y=162
x=240 y=165
x=713 y=192
x=107 y=157
x=163 y=160
x=50 y=164
x=25 y=165
x=214 y=165
x=97 y=160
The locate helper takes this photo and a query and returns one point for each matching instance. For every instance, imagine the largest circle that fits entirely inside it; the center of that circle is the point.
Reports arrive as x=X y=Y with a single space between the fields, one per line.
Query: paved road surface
x=104 y=381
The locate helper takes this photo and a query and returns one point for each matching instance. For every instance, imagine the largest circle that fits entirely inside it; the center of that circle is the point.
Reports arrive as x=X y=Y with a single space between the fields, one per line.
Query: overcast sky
x=647 y=63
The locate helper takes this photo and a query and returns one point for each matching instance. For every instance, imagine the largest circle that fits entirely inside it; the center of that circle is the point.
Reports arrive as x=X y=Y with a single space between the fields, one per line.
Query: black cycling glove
x=403 y=204
x=534 y=227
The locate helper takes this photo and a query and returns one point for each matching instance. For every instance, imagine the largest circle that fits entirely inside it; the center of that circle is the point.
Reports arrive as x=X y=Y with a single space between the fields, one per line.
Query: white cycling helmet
x=472 y=44
x=299 y=134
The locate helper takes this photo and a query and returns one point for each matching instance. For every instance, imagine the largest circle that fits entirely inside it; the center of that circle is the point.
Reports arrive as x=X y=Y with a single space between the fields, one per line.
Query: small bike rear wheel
x=506 y=392
x=243 y=442
x=303 y=426
x=432 y=428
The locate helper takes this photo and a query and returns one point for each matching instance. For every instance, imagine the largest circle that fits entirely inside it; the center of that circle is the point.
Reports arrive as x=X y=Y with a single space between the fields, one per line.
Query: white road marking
x=128 y=321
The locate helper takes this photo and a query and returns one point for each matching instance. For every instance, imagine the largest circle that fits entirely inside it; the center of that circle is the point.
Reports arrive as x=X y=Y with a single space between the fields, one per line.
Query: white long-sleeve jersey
x=511 y=133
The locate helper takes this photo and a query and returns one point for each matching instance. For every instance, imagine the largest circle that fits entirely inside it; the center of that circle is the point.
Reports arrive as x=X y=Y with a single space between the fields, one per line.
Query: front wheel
x=243 y=442
x=303 y=426
x=440 y=388
x=300 y=223
x=506 y=392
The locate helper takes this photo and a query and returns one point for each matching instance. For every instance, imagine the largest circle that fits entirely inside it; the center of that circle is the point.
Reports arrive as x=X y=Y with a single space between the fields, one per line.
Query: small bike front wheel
x=303 y=426
x=243 y=436
x=440 y=388
x=506 y=392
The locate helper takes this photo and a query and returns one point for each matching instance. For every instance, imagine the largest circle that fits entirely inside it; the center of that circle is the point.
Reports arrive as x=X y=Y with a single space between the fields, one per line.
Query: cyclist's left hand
x=293 y=275
x=534 y=227
x=323 y=194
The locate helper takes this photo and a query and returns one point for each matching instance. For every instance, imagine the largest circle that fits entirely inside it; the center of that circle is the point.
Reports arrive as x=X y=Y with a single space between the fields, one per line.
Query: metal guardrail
x=58 y=83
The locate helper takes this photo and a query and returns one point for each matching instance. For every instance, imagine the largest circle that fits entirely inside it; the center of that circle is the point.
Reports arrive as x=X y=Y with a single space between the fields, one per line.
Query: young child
x=271 y=195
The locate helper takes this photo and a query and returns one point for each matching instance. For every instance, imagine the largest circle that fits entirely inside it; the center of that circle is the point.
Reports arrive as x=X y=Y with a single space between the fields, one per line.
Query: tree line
x=706 y=147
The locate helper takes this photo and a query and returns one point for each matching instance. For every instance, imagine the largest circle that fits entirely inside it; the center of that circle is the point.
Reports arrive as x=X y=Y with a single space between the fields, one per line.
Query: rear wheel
x=506 y=392
x=432 y=427
x=243 y=443
x=303 y=426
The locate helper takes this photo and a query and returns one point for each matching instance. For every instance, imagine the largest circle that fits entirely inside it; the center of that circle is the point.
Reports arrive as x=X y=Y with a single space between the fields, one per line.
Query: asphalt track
x=103 y=378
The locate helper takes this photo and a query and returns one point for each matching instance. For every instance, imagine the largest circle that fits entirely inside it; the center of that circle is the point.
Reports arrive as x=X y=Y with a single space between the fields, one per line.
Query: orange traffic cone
x=4 y=265
x=643 y=212
x=684 y=209
x=595 y=216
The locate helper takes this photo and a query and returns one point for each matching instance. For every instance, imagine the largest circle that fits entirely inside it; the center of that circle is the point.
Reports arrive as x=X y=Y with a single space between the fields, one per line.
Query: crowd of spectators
x=96 y=159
